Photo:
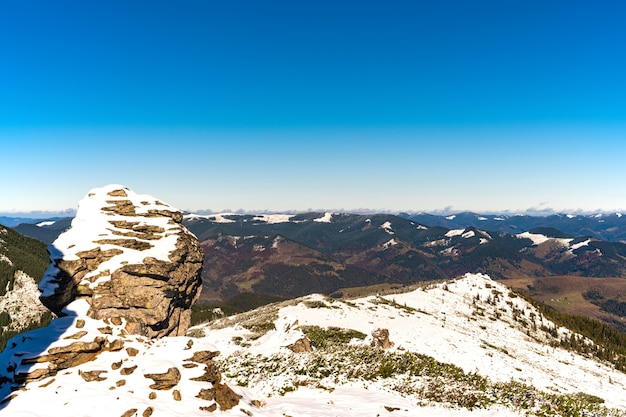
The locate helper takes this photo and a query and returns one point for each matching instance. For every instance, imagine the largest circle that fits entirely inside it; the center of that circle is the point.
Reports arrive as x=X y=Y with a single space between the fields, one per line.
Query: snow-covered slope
x=113 y=374
x=21 y=261
x=466 y=347
x=22 y=303
x=474 y=323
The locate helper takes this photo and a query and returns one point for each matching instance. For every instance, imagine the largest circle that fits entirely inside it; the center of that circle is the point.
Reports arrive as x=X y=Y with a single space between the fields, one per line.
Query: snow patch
x=4 y=258
x=579 y=245
x=45 y=223
x=455 y=232
x=387 y=228
x=273 y=218
x=326 y=218
x=439 y=242
x=468 y=234
x=538 y=239
x=389 y=243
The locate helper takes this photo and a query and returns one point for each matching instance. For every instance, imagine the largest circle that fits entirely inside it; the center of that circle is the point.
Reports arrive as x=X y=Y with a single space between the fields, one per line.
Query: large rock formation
x=131 y=259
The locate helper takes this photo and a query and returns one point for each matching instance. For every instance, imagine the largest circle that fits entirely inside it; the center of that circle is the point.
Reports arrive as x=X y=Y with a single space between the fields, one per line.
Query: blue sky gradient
x=281 y=105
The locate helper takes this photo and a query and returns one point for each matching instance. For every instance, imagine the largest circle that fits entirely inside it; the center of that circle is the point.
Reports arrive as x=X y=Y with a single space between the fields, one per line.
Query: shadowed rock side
x=129 y=257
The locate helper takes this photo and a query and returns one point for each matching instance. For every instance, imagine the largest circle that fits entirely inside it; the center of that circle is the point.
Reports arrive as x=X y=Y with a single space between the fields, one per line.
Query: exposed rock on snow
x=380 y=339
x=77 y=359
x=130 y=257
x=125 y=274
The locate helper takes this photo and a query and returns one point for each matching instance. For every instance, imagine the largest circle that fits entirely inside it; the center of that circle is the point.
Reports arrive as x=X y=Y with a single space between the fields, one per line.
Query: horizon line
x=447 y=211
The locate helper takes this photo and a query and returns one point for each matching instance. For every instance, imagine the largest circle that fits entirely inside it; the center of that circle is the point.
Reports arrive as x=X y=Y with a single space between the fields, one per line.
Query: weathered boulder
x=380 y=339
x=131 y=258
x=301 y=345
x=166 y=380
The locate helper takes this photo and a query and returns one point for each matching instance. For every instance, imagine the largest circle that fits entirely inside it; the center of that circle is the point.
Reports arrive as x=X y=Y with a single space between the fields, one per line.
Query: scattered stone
x=190 y=365
x=258 y=403
x=165 y=381
x=152 y=395
x=36 y=375
x=116 y=321
x=176 y=395
x=129 y=413
x=105 y=330
x=47 y=383
x=210 y=408
x=132 y=351
x=206 y=394
x=189 y=344
x=203 y=356
x=120 y=383
x=225 y=397
x=59 y=358
x=91 y=376
x=78 y=347
x=116 y=365
x=211 y=374
x=147 y=412
x=115 y=345
x=128 y=371
x=80 y=323
x=76 y=335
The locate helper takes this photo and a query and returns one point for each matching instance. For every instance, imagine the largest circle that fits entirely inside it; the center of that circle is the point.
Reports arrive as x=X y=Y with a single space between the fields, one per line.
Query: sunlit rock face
x=130 y=258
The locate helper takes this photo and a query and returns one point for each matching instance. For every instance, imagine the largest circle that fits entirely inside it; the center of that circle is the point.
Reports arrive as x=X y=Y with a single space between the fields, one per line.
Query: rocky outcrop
x=380 y=339
x=131 y=259
x=301 y=345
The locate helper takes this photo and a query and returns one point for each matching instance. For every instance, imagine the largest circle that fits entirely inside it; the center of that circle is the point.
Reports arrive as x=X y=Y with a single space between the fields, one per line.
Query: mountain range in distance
x=254 y=259
x=602 y=226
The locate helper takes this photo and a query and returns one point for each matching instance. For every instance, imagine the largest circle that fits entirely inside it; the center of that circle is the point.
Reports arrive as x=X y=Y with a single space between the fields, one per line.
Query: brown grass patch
x=565 y=293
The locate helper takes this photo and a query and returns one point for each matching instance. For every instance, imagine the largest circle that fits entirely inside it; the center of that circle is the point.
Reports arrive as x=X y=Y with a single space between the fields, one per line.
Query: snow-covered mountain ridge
x=468 y=343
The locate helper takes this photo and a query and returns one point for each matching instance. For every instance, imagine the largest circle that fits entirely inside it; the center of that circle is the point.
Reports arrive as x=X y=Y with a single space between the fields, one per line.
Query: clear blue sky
x=296 y=105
